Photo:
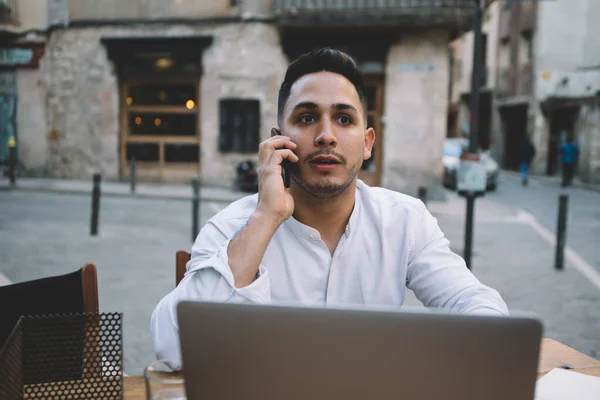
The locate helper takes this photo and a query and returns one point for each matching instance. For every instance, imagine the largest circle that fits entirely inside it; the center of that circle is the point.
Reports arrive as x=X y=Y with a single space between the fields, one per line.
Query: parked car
x=453 y=148
x=247 y=177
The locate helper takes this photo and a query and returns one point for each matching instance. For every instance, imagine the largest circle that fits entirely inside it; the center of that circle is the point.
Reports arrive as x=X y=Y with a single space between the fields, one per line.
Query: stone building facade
x=83 y=103
x=76 y=114
x=545 y=63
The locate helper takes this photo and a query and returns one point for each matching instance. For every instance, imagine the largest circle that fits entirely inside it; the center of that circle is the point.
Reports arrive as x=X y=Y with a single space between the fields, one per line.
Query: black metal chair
x=73 y=293
x=76 y=292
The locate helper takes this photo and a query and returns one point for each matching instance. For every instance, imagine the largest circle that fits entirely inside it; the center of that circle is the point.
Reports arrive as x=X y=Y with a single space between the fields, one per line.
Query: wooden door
x=371 y=169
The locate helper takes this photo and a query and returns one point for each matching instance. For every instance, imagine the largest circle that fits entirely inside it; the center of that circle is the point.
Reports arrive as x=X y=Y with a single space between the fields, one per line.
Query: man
x=329 y=238
x=526 y=155
x=569 y=154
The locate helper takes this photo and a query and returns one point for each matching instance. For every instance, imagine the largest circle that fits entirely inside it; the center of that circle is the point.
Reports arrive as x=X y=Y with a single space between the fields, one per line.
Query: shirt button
x=313 y=235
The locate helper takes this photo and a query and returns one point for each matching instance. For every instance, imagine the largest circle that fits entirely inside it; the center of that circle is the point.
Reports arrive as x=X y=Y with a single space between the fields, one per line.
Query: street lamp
x=476 y=74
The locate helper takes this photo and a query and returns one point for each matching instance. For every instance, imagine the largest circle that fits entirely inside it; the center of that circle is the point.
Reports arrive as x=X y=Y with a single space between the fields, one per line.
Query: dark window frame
x=239 y=125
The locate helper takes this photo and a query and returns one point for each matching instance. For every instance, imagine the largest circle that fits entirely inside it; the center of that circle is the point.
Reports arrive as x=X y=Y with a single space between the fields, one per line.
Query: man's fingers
x=271 y=145
x=277 y=142
x=281 y=154
x=274 y=162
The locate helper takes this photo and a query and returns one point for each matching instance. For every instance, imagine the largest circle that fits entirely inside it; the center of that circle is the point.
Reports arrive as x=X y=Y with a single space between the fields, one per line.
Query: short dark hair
x=324 y=59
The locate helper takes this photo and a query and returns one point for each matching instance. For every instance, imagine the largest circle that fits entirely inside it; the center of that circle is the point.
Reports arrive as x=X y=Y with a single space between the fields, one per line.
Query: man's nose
x=326 y=136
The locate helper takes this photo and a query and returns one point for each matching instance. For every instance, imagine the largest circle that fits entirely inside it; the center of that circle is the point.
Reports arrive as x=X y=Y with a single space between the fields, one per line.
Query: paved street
x=540 y=198
x=44 y=234
x=512 y=256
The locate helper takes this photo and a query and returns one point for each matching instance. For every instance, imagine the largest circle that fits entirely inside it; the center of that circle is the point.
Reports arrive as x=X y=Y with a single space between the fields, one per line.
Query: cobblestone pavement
x=47 y=233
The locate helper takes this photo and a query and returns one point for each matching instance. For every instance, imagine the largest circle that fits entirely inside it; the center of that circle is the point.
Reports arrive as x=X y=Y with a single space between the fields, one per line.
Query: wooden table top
x=553 y=354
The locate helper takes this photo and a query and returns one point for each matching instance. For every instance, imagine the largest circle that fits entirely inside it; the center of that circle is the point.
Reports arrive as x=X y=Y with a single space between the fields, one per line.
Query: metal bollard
x=12 y=160
x=468 y=251
x=195 y=208
x=561 y=234
x=95 y=205
x=423 y=195
x=132 y=176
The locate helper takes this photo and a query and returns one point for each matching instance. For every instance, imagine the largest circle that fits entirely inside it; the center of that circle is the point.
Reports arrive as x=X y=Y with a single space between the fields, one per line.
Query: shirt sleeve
x=440 y=278
x=208 y=277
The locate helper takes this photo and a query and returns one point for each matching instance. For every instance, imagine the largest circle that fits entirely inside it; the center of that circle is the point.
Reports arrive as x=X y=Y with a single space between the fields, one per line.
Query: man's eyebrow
x=313 y=106
x=305 y=104
x=343 y=106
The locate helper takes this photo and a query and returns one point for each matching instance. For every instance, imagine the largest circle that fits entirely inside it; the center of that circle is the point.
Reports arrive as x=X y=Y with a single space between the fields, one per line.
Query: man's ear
x=369 y=141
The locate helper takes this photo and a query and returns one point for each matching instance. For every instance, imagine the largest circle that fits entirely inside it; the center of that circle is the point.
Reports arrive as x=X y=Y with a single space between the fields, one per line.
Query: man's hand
x=274 y=200
x=275 y=205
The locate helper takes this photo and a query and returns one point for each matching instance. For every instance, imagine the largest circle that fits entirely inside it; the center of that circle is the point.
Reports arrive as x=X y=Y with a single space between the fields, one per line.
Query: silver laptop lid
x=240 y=351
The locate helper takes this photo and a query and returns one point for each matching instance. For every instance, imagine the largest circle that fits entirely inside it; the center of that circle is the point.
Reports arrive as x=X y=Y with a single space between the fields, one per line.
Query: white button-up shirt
x=391 y=242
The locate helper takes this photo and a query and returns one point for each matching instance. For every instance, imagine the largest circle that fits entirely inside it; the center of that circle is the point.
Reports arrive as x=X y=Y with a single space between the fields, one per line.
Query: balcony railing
x=8 y=11
x=143 y=10
x=514 y=81
x=455 y=12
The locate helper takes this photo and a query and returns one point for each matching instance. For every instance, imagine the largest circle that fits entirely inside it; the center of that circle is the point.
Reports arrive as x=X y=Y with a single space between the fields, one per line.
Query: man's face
x=325 y=118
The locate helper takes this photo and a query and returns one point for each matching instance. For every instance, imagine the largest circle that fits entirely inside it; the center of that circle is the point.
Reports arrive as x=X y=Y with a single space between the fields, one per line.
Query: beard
x=326 y=189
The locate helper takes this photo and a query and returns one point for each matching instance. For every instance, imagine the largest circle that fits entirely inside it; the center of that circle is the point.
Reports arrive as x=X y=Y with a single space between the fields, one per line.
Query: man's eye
x=306 y=119
x=344 y=120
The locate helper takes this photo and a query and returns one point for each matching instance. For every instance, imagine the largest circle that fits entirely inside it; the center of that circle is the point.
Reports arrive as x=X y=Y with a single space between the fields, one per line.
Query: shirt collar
x=307 y=232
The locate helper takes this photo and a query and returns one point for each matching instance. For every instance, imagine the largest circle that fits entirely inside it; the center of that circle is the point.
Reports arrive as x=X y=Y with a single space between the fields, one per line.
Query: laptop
x=281 y=352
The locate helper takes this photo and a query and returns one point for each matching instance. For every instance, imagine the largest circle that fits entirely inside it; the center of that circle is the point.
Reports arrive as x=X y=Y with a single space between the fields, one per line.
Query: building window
x=526 y=51
x=161 y=121
x=239 y=125
x=160 y=103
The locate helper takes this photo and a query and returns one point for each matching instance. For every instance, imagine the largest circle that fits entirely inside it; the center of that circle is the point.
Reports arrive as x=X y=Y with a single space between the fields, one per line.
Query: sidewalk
x=4 y=280
x=122 y=189
x=557 y=180
x=510 y=255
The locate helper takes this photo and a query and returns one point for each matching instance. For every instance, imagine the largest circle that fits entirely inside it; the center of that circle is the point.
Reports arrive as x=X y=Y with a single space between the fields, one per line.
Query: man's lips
x=325 y=160
x=324 y=167
x=324 y=163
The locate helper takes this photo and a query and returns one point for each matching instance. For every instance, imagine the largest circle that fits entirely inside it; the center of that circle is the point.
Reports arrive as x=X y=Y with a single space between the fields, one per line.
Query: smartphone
x=285 y=164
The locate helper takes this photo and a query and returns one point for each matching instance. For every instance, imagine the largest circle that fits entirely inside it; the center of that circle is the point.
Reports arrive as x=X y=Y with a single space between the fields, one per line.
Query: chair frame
x=89 y=284
x=181 y=259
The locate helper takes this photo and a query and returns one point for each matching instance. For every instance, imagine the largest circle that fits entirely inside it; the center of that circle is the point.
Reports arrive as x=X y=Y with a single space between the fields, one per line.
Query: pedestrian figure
x=526 y=155
x=569 y=153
